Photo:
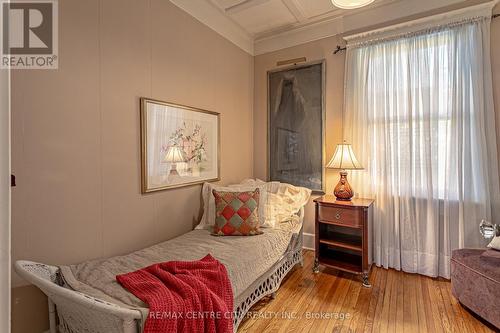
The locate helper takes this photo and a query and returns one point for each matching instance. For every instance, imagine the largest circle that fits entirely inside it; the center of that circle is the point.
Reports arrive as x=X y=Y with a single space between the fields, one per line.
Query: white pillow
x=294 y=197
x=275 y=209
x=208 y=218
x=279 y=202
x=495 y=243
x=284 y=201
x=250 y=181
x=266 y=220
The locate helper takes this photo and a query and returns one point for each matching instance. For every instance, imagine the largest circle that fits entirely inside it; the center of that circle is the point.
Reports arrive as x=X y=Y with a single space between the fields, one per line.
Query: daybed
x=87 y=298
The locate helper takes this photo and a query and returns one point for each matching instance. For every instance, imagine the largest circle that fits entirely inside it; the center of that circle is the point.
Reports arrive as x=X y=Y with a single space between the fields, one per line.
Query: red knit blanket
x=184 y=296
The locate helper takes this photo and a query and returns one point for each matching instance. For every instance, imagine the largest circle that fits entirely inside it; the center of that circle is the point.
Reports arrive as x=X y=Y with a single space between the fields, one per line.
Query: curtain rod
x=340 y=49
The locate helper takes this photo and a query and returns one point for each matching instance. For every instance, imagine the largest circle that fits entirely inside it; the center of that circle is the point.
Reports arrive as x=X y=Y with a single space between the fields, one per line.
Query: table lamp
x=489 y=230
x=174 y=155
x=344 y=159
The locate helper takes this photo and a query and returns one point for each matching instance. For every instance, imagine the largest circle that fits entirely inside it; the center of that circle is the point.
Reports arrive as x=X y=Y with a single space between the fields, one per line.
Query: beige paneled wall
x=75 y=146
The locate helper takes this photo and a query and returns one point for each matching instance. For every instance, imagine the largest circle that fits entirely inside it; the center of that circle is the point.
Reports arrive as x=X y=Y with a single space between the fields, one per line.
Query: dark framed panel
x=296 y=118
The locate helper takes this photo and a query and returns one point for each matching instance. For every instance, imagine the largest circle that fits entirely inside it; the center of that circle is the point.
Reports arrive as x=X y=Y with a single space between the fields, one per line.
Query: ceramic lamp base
x=343 y=190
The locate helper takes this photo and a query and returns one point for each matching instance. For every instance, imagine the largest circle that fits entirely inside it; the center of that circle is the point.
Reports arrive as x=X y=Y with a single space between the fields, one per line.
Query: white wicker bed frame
x=74 y=312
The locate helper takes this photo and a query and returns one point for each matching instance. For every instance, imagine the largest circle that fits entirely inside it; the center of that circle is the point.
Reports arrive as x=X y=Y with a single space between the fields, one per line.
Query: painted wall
x=76 y=148
x=5 y=200
x=323 y=49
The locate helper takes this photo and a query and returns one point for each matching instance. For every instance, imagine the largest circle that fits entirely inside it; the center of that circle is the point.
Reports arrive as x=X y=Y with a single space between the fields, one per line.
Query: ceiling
x=261 y=18
x=262 y=26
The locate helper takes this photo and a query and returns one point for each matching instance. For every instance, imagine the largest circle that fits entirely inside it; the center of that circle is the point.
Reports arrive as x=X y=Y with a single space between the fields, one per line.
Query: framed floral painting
x=180 y=145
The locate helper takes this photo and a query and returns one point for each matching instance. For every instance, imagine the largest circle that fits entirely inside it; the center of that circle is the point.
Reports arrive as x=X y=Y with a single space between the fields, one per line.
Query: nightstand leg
x=316 y=266
x=366 y=282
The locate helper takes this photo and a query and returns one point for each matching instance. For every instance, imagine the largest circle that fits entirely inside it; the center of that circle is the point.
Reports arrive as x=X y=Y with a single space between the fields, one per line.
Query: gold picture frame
x=177 y=145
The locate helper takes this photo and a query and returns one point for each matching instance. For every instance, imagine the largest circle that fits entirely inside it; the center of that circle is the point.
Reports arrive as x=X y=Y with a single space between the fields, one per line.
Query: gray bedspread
x=245 y=258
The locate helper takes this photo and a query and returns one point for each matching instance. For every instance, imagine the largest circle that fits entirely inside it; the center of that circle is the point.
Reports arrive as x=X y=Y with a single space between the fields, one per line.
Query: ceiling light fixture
x=351 y=4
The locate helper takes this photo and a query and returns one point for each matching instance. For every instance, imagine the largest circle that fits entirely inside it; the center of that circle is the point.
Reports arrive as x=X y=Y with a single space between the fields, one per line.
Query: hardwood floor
x=397 y=302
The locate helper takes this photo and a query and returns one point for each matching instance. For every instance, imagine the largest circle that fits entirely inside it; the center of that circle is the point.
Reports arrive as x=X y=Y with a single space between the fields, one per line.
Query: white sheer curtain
x=419 y=113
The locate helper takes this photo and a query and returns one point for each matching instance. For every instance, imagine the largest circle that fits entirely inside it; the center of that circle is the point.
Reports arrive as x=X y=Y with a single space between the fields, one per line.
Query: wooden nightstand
x=344 y=235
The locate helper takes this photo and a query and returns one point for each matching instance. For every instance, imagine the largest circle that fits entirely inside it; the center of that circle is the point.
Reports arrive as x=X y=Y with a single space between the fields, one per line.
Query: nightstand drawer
x=347 y=217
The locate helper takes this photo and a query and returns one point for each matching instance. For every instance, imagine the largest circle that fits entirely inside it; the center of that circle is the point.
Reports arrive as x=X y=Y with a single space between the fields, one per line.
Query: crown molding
x=210 y=15
x=342 y=24
x=381 y=12
x=305 y=20
x=479 y=10
x=299 y=36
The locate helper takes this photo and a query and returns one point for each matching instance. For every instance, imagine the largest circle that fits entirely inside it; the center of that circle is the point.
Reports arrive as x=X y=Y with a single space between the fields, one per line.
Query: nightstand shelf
x=340 y=224
x=343 y=235
x=351 y=264
x=344 y=241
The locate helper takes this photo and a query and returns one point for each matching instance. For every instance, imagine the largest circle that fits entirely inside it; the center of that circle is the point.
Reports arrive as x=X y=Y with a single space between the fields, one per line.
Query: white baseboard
x=308 y=241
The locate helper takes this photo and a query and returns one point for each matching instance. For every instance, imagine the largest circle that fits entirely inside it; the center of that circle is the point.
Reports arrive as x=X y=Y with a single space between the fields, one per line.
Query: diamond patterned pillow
x=236 y=213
